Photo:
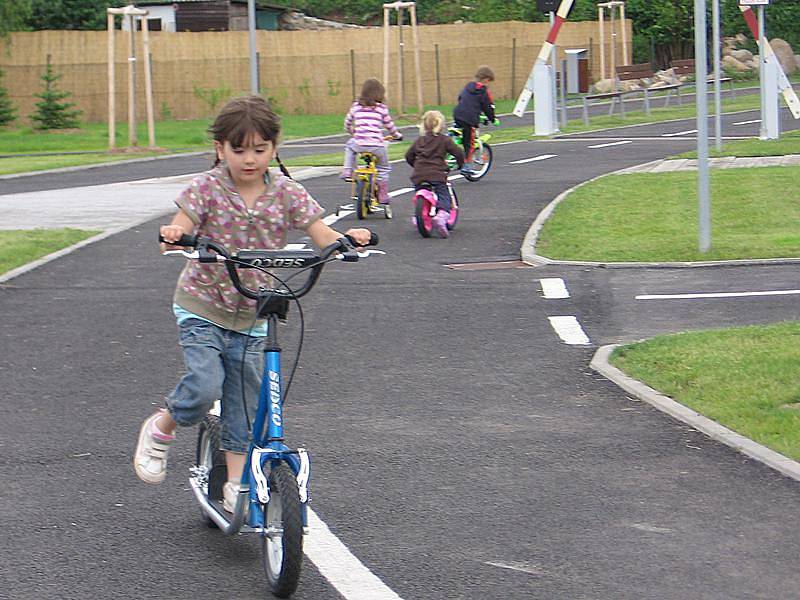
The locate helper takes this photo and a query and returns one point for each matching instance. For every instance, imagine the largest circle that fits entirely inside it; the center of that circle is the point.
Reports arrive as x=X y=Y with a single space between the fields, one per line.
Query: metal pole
x=761 y=73
x=717 y=91
x=132 y=137
x=251 y=27
x=554 y=70
x=701 y=76
x=112 y=111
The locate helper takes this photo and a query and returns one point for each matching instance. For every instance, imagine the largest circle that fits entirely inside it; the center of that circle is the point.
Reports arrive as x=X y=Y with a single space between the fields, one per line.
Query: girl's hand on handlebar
x=170 y=233
x=360 y=235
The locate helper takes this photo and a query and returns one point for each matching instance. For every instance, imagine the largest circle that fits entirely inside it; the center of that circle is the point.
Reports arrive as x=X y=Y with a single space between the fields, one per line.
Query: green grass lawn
x=747 y=379
x=653 y=217
x=18 y=248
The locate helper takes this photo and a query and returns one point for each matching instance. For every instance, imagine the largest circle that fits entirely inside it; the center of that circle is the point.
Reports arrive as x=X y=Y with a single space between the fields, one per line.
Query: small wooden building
x=209 y=15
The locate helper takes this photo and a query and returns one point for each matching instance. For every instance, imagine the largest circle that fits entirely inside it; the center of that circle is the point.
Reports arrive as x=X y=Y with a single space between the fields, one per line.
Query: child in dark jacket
x=428 y=155
x=473 y=100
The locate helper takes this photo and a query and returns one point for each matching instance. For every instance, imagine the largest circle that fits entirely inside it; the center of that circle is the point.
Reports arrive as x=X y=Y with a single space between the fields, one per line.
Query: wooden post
x=625 y=59
x=438 y=76
x=600 y=19
x=399 y=96
x=417 y=71
x=386 y=16
x=400 y=90
x=148 y=85
x=112 y=115
x=513 y=65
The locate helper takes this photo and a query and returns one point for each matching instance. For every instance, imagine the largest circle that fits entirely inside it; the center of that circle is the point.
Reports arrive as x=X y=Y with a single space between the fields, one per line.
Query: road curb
x=712 y=429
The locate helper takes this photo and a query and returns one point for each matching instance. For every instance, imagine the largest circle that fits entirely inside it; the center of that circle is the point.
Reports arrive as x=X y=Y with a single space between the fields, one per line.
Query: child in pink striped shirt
x=365 y=121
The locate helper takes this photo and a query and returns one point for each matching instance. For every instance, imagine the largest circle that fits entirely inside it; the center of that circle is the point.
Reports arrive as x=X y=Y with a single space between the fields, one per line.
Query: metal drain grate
x=487 y=266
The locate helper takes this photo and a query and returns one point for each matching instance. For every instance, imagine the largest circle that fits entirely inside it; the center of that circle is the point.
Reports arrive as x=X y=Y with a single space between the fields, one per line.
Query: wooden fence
x=311 y=72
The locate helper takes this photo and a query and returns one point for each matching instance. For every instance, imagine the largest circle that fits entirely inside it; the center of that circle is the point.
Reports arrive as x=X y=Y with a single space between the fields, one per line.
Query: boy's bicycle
x=482 y=153
x=425 y=208
x=273 y=492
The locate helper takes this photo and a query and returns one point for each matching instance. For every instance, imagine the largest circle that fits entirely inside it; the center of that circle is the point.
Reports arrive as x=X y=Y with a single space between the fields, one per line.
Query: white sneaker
x=150 y=456
x=230 y=493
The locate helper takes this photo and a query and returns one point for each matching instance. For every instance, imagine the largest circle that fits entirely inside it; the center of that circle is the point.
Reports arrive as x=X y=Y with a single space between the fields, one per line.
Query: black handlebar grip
x=185 y=240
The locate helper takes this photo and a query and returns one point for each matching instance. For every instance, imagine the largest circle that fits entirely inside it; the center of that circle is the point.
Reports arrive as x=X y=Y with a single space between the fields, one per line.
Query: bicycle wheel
x=210 y=458
x=363 y=197
x=282 y=542
x=422 y=216
x=481 y=161
x=451 y=222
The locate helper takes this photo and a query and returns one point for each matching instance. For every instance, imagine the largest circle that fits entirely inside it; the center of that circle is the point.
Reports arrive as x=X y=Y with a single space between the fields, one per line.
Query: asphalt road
x=461 y=450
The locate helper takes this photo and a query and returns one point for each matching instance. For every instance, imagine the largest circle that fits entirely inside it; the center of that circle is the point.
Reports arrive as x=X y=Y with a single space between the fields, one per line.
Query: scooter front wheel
x=282 y=541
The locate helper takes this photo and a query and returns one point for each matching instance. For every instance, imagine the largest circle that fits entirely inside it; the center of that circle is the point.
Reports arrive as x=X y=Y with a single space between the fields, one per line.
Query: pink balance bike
x=425 y=209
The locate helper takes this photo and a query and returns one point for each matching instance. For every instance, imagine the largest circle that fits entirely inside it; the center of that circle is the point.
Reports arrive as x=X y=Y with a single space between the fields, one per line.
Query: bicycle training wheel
x=282 y=541
x=363 y=197
x=212 y=460
x=422 y=216
x=481 y=161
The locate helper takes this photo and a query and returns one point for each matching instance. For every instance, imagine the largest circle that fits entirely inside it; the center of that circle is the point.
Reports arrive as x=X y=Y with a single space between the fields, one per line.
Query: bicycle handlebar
x=208 y=251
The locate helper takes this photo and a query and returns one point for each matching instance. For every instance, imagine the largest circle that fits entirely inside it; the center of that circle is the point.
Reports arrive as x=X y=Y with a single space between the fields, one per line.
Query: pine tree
x=7 y=111
x=51 y=113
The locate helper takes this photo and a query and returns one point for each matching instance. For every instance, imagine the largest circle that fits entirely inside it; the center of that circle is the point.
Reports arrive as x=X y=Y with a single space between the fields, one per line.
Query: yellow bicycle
x=364 y=188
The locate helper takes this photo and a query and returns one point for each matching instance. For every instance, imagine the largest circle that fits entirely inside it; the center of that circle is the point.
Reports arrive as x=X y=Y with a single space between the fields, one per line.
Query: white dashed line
x=554 y=288
x=611 y=144
x=338 y=565
x=535 y=158
x=748 y=122
x=569 y=330
x=687 y=132
x=716 y=295
x=394 y=193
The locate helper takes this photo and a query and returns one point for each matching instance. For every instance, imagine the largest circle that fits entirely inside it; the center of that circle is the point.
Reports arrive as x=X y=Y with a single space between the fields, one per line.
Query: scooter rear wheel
x=422 y=215
x=212 y=458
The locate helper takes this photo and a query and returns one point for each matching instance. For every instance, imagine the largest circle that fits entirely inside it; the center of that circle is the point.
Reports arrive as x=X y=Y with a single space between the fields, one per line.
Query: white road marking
x=748 y=122
x=331 y=219
x=535 y=158
x=338 y=565
x=454 y=177
x=716 y=295
x=569 y=330
x=523 y=567
x=554 y=287
x=394 y=193
x=612 y=144
x=687 y=132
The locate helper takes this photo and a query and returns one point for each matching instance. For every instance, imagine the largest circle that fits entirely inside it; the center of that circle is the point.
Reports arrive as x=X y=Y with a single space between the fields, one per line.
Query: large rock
x=742 y=55
x=603 y=86
x=785 y=55
x=730 y=63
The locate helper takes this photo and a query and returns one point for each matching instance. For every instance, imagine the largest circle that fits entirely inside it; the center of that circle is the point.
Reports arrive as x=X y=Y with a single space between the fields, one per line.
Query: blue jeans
x=217 y=370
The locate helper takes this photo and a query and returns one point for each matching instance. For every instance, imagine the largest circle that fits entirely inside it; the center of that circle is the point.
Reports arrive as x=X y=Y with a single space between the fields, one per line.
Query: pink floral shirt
x=219 y=212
